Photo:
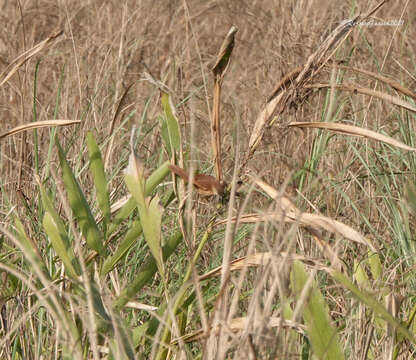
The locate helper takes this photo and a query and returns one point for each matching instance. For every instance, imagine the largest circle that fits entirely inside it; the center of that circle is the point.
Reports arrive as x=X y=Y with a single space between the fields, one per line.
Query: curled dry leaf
x=140 y=306
x=365 y=91
x=260 y=259
x=223 y=58
x=240 y=324
x=301 y=77
x=298 y=78
x=286 y=211
x=393 y=83
x=37 y=125
x=354 y=131
x=22 y=58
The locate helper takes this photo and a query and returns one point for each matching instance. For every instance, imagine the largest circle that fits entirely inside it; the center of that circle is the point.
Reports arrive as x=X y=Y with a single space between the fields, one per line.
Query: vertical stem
x=216 y=128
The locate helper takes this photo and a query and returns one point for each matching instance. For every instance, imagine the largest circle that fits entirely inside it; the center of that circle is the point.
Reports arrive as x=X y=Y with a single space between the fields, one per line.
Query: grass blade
x=57 y=233
x=170 y=126
x=321 y=333
x=100 y=182
x=128 y=241
x=65 y=253
x=146 y=272
x=150 y=211
x=369 y=300
x=79 y=205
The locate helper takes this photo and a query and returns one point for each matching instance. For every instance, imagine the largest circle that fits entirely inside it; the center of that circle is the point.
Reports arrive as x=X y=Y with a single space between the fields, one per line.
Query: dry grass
x=236 y=269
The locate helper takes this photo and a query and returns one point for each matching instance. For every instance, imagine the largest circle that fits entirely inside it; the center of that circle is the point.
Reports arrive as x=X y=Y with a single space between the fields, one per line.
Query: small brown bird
x=205 y=184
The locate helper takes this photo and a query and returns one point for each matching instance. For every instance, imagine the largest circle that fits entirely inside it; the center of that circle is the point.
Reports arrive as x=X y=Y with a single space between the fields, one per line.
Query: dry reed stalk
x=112 y=125
x=23 y=58
x=287 y=90
x=10 y=70
x=307 y=220
x=219 y=70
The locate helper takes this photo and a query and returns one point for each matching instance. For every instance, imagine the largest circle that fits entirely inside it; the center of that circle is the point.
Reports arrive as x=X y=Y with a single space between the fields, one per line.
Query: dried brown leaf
x=259 y=259
x=391 y=82
x=354 y=131
x=37 y=125
x=240 y=324
x=287 y=211
x=358 y=89
x=22 y=58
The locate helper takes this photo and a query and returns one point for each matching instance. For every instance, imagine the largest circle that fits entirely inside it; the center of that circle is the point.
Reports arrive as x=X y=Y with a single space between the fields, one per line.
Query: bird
x=206 y=185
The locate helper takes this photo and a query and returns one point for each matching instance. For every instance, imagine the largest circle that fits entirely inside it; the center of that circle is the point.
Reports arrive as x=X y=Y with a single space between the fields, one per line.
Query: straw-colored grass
x=309 y=119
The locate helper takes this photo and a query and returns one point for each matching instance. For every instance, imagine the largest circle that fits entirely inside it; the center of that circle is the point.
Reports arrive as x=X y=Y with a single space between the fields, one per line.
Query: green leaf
x=97 y=302
x=361 y=276
x=375 y=265
x=79 y=205
x=411 y=198
x=58 y=236
x=153 y=180
x=64 y=253
x=150 y=211
x=131 y=237
x=146 y=272
x=321 y=333
x=170 y=126
x=150 y=217
x=139 y=333
x=100 y=182
x=30 y=250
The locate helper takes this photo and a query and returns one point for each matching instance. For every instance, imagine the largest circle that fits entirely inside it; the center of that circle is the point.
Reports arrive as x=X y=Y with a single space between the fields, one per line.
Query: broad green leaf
x=139 y=333
x=79 y=205
x=361 y=276
x=146 y=272
x=150 y=212
x=152 y=181
x=150 y=217
x=97 y=170
x=321 y=333
x=375 y=265
x=170 y=126
x=30 y=249
x=411 y=323
x=287 y=311
x=131 y=237
x=58 y=236
x=164 y=132
x=411 y=198
x=98 y=302
x=58 y=243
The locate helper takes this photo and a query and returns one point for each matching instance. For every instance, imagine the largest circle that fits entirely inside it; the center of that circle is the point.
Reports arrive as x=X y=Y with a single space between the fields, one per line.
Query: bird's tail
x=180 y=172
